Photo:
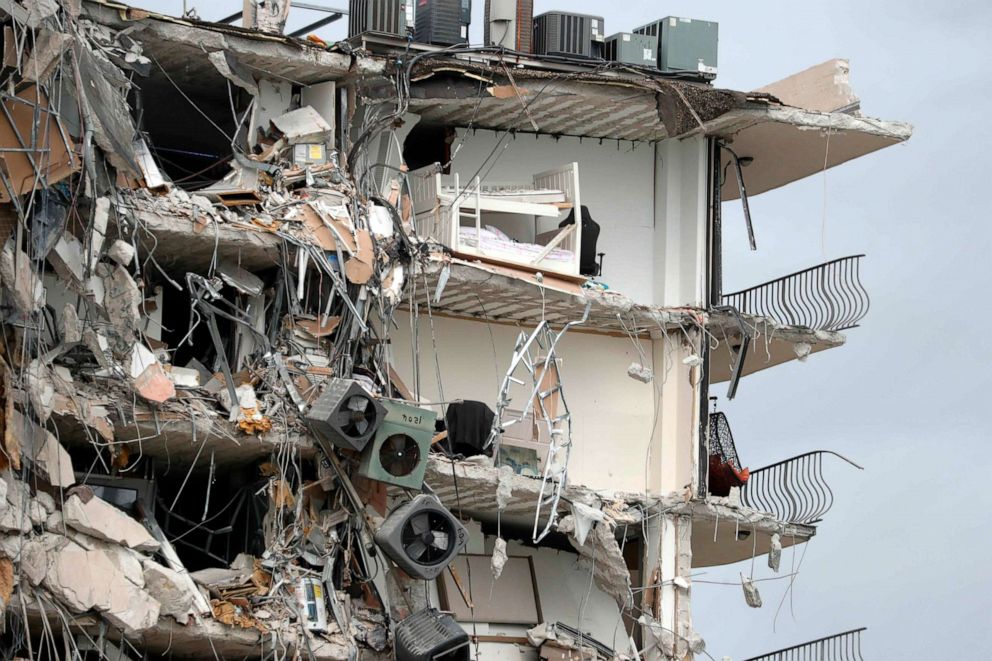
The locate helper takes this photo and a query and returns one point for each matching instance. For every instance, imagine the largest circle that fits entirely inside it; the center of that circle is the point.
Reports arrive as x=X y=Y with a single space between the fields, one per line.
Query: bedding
x=494 y=239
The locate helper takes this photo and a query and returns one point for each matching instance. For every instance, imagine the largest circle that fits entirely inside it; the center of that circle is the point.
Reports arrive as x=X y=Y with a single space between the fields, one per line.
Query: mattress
x=495 y=240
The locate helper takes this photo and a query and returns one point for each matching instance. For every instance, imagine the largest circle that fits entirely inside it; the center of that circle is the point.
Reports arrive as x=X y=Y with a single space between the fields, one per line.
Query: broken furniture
x=724 y=466
x=452 y=214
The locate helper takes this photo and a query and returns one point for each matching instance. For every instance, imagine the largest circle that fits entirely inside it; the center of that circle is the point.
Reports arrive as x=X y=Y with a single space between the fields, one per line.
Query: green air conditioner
x=398 y=453
x=685 y=45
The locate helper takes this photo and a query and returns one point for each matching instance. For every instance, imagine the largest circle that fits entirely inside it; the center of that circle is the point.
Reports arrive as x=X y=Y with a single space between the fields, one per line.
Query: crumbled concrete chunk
x=70 y=327
x=751 y=595
x=154 y=384
x=775 y=553
x=67 y=259
x=85 y=579
x=40 y=447
x=102 y=520
x=640 y=372
x=34 y=562
x=36 y=513
x=121 y=252
x=46 y=501
x=168 y=588
x=122 y=302
x=499 y=558
x=18 y=276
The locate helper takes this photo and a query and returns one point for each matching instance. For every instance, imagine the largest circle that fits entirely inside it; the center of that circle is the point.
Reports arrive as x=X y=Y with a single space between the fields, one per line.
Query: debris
x=640 y=373
x=692 y=361
x=43 y=451
x=154 y=384
x=802 y=350
x=121 y=252
x=167 y=587
x=584 y=518
x=49 y=153
x=751 y=595
x=775 y=552
x=18 y=277
x=102 y=520
x=85 y=579
x=499 y=557
x=303 y=125
x=504 y=487
x=239 y=278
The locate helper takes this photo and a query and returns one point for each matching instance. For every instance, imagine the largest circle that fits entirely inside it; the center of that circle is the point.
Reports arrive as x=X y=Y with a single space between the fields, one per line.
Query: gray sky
x=903 y=550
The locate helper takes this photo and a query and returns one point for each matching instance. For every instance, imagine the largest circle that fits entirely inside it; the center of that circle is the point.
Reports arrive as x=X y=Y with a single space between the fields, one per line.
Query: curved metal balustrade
x=794 y=490
x=841 y=647
x=825 y=297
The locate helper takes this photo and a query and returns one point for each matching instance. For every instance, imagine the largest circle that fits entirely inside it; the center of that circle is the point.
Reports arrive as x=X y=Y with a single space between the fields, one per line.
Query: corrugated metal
x=439 y=22
x=382 y=16
x=559 y=33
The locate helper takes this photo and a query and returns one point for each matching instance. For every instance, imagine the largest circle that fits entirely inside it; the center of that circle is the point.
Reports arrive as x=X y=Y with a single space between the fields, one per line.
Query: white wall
x=616 y=185
x=612 y=414
x=567 y=594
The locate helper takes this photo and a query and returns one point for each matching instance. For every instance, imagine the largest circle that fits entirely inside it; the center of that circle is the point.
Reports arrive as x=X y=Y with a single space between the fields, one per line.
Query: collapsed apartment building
x=306 y=356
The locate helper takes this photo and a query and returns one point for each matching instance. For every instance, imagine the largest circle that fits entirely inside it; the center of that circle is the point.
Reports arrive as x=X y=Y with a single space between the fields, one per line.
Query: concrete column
x=266 y=15
x=666 y=605
x=681 y=205
x=675 y=436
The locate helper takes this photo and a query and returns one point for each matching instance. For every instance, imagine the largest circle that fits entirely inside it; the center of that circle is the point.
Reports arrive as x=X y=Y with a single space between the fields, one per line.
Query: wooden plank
x=499 y=205
x=553 y=243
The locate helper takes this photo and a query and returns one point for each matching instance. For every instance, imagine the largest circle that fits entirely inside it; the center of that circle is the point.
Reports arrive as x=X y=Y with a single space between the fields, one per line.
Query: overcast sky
x=903 y=551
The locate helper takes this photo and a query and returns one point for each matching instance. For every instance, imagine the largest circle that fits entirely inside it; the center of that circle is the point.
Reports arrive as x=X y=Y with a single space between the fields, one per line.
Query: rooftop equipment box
x=443 y=22
x=560 y=33
x=685 y=45
x=639 y=49
x=379 y=16
x=510 y=24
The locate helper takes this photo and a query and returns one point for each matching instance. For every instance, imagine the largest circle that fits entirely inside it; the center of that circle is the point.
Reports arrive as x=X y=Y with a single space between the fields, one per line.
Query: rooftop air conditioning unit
x=398 y=453
x=431 y=635
x=443 y=22
x=574 y=35
x=389 y=17
x=422 y=537
x=685 y=45
x=346 y=415
x=638 y=49
x=510 y=24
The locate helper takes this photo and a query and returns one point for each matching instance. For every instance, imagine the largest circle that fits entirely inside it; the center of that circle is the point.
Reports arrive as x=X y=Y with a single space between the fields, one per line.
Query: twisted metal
x=793 y=490
x=829 y=297
x=841 y=647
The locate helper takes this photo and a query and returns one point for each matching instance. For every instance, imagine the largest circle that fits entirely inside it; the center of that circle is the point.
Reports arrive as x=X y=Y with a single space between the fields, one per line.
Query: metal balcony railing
x=841 y=647
x=794 y=490
x=826 y=297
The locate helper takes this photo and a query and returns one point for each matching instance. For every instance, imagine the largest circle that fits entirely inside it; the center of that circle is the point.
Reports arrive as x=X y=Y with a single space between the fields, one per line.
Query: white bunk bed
x=452 y=215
